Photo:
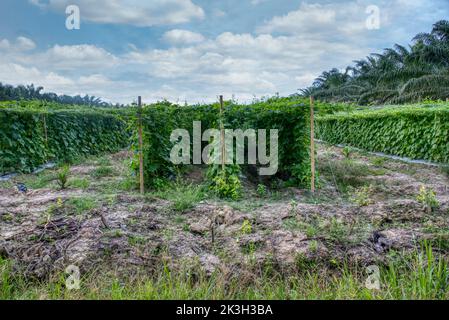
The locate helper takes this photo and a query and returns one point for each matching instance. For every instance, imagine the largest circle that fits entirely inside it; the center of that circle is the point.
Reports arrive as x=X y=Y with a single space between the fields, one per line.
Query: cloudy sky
x=193 y=50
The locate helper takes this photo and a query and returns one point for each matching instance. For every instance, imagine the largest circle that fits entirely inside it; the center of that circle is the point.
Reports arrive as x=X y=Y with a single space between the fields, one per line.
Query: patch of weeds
x=347 y=152
x=251 y=247
x=316 y=198
x=127 y=184
x=293 y=224
x=183 y=197
x=362 y=196
x=102 y=172
x=134 y=240
x=313 y=246
x=262 y=190
x=276 y=195
x=379 y=161
x=104 y=162
x=338 y=230
x=39 y=181
x=346 y=173
x=79 y=183
x=179 y=219
x=116 y=233
x=63 y=176
x=441 y=242
x=277 y=184
x=168 y=234
x=335 y=229
x=427 y=197
x=6 y=217
x=82 y=205
x=445 y=170
x=245 y=205
x=246 y=227
x=305 y=264
x=6 y=184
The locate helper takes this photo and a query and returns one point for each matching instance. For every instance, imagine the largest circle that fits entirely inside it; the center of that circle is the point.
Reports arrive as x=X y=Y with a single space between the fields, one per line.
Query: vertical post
x=45 y=128
x=142 y=186
x=222 y=133
x=312 y=143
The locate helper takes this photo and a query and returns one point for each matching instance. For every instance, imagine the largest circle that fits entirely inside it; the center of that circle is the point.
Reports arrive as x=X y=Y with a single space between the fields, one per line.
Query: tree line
x=30 y=92
x=402 y=74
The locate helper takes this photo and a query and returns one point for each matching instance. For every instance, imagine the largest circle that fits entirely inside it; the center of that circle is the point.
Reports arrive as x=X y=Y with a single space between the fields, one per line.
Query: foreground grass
x=413 y=276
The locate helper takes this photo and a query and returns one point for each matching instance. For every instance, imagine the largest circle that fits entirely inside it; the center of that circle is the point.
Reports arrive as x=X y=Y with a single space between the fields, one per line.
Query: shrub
x=289 y=117
x=30 y=137
x=362 y=196
x=347 y=151
x=262 y=190
x=63 y=176
x=427 y=198
x=414 y=132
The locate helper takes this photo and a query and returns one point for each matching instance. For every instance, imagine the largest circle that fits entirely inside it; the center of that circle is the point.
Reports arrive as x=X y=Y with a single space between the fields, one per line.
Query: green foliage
x=102 y=172
x=288 y=115
x=246 y=227
x=29 y=92
x=79 y=183
x=417 y=132
x=82 y=204
x=182 y=196
x=32 y=134
x=262 y=190
x=379 y=162
x=63 y=176
x=398 y=75
x=427 y=197
x=345 y=174
x=423 y=274
x=226 y=184
x=362 y=196
x=347 y=151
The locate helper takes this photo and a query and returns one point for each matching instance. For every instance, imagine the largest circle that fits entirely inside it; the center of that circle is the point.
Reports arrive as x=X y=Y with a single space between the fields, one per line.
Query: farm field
x=231 y=152
x=182 y=242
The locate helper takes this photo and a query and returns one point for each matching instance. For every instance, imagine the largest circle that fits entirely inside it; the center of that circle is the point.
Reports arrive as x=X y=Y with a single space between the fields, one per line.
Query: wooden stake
x=142 y=185
x=312 y=143
x=222 y=132
x=45 y=129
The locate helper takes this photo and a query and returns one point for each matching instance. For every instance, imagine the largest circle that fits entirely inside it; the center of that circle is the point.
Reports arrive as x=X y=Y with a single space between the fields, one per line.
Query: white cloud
x=25 y=44
x=132 y=12
x=178 y=36
x=257 y=2
x=78 y=56
x=20 y=44
x=320 y=19
x=285 y=53
x=243 y=64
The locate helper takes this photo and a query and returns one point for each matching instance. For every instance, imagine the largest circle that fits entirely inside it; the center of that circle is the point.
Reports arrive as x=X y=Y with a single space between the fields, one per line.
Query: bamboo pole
x=142 y=185
x=222 y=133
x=312 y=144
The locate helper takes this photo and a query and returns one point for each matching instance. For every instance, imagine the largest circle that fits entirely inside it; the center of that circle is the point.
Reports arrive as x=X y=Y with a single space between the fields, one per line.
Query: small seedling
x=262 y=190
x=427 y=197
x=362 y=196
x=63 y=176
x=347 y=152
x=246 y=227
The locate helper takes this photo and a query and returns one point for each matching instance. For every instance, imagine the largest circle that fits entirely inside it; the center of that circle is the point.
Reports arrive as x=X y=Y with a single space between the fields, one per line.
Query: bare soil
x=45 y=230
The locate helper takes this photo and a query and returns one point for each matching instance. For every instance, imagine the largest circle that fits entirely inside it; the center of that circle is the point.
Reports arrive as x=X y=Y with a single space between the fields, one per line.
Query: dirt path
x=365 y=209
